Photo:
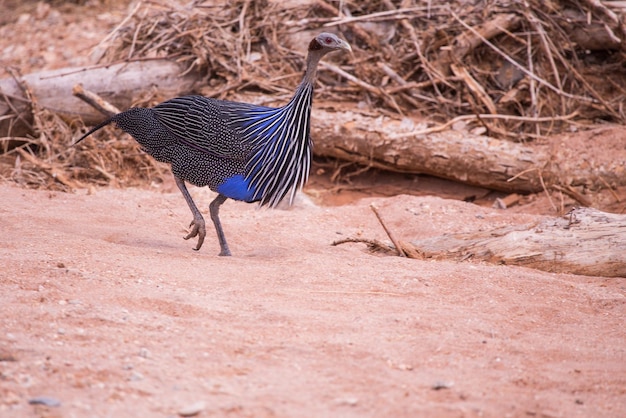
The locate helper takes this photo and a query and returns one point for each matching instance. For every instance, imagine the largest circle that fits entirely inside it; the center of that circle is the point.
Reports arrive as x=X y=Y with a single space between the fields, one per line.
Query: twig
x=398 y=79
x=117 y=28
x=545 y=189
x=350 y=77
x=391 y=73
x=547 y=44
x=451 y=122
x=608 y=186
x=375 y=90
x=507 y=201
x=420 y=85
x=358 y=31
x=464 y=43
x=474 y=87
x=390 y=14
x=520 y=174
x=8 y=101
x=532 y=88
x=95 y=101
x=372 y=244
x=36 y=110
x=568 y=190
x=49 y=169
x=389 y=234
x=432 y=73
x=612 y=16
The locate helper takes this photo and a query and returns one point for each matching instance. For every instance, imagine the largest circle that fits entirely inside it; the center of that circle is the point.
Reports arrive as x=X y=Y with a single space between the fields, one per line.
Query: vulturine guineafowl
x=241 y=151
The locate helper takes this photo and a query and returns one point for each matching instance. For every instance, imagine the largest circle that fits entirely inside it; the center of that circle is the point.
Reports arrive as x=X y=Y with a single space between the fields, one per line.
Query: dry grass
x=520 y=70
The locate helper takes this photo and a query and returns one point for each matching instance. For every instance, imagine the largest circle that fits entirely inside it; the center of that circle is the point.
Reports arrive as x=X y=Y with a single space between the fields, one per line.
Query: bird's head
x=328 y=42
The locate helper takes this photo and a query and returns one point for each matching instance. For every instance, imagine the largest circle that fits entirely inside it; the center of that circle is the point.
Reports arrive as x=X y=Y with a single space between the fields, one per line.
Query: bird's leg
x=214 y=209
x=198 y=227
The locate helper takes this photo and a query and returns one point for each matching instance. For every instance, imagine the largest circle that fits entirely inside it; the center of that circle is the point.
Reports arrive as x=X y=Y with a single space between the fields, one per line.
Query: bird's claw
x=198 y=229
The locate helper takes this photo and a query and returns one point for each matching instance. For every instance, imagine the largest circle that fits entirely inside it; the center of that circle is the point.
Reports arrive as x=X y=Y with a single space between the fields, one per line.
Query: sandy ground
x=107 y=310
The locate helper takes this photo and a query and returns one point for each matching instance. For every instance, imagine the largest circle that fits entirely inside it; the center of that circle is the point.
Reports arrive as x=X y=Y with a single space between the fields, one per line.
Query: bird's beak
x=344 y=45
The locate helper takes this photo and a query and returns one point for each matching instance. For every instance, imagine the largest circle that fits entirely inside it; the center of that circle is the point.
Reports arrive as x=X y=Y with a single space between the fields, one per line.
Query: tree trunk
x=586 y=241
x=568 y=160
x=118 y=83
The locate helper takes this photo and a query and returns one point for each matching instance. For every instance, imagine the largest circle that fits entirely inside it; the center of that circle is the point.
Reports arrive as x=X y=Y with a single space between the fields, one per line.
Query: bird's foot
x=225 y=252
x=198 y=228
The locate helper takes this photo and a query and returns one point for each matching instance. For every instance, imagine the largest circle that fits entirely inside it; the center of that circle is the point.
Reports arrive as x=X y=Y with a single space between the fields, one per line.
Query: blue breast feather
x=238 y=187
x=280 y=149
x=261 y=126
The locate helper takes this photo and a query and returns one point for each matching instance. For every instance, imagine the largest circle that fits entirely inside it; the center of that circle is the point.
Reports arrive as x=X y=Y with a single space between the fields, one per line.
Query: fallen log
x=585 y=241
x=119 y=84
x=589 y=160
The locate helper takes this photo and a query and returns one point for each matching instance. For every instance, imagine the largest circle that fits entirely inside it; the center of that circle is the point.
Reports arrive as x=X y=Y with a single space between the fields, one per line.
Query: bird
x=241 y=151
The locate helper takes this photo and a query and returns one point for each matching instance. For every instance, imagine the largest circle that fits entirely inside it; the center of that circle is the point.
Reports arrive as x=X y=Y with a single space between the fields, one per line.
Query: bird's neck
x=312 y=62
x=304 y=92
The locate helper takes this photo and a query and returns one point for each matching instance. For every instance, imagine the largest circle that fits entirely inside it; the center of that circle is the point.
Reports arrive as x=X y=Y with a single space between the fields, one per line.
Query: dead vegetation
x=512 y=70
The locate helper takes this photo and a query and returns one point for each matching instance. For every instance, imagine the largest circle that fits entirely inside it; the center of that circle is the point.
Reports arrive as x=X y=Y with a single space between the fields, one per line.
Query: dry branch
x=95 y=101
x=390 y=234
x=474 y=87
x=585 y=241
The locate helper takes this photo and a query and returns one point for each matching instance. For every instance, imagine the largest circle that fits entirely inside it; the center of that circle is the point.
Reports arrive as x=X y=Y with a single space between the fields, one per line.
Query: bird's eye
x=328 y=40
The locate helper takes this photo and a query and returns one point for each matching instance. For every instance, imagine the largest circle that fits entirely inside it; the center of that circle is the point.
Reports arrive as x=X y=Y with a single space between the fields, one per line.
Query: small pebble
x=135 y=377
x=6 y=356
x=191 y=410
x=441 y=385
x=350 y=401
x=44 y=400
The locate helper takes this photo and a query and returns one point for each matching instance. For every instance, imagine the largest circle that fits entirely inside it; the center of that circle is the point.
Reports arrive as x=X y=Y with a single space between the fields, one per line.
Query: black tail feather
x=96 y=128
